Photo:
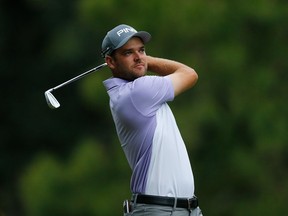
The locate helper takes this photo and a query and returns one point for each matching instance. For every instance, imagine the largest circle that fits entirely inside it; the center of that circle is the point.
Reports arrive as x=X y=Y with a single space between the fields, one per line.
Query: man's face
x=129 y=61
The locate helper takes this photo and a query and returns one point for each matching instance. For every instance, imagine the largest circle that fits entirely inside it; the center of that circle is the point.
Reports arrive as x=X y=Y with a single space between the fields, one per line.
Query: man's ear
x=110 y=62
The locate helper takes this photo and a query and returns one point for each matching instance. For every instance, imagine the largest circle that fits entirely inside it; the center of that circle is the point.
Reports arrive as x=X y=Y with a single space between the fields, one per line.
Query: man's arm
x=182 y=76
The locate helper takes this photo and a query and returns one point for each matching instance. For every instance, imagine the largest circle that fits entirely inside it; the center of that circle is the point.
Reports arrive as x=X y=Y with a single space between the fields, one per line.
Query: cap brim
x=143 y=35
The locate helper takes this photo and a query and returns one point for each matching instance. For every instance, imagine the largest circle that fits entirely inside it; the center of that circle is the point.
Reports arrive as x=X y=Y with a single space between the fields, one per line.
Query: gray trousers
x=157 y=210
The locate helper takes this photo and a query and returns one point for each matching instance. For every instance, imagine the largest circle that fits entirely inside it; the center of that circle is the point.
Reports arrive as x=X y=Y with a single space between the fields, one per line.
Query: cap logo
x=125 y=30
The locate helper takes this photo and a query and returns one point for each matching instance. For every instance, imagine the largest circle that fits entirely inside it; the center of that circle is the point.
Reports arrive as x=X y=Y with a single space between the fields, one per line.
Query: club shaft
x=78 y=77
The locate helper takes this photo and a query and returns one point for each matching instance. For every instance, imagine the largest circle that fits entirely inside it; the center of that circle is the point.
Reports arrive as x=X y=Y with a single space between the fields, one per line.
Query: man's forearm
x=162 y=66
x=182 y=76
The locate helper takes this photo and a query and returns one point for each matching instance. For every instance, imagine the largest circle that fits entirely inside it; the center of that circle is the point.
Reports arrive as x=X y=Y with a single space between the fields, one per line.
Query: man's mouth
x=139 y=65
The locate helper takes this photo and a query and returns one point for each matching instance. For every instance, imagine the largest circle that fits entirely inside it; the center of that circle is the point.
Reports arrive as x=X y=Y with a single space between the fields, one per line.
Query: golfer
x=162 y=180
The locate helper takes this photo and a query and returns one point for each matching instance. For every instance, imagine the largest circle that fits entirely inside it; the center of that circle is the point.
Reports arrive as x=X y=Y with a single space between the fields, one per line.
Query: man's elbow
x=193 y=77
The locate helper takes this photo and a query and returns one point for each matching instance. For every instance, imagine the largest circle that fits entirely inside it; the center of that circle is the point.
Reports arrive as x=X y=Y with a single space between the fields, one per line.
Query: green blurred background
x=234 y=122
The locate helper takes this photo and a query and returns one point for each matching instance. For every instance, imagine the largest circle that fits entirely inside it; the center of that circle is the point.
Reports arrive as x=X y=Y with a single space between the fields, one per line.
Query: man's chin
x=139 y=73
x=134 y=75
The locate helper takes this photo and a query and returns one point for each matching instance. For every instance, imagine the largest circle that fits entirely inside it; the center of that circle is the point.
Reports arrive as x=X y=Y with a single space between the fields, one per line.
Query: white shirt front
x=170 y=172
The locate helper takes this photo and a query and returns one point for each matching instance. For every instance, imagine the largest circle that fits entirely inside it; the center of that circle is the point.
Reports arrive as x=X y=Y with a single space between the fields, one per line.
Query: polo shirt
x=150 y=137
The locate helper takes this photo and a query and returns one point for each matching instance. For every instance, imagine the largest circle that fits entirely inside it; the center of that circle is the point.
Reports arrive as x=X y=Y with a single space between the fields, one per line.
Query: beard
x=132 y=73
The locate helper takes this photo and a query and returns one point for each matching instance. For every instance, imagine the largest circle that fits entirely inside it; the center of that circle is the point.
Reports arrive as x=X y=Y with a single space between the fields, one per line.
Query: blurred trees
x=90 y=182
x=68 y=161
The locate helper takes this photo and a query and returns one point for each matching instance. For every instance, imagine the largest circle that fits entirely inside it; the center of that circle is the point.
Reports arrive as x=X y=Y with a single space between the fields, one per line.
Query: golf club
x=52 y=101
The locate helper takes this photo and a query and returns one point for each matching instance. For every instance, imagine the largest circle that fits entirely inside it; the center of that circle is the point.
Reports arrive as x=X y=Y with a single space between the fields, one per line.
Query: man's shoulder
x=152 y=88
x=151 y=81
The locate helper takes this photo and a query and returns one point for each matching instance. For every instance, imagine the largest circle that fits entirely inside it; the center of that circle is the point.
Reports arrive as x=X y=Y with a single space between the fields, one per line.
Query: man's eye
x=127 y=53
x=142 y=50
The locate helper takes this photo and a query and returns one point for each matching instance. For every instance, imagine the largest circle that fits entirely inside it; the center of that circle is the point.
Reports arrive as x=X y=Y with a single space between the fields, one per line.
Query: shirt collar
x=113 y=82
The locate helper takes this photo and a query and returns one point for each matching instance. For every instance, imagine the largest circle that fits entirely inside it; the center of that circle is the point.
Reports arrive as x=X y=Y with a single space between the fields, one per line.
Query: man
x=162 y=180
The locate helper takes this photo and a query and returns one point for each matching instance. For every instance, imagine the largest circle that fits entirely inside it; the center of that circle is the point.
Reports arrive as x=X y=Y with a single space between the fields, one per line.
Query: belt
x=189 y=203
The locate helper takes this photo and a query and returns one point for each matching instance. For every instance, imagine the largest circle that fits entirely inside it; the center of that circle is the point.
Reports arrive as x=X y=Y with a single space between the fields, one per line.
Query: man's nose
x=137 y=56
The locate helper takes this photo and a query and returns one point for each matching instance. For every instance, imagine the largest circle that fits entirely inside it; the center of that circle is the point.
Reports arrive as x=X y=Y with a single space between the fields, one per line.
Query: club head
x=51 y=100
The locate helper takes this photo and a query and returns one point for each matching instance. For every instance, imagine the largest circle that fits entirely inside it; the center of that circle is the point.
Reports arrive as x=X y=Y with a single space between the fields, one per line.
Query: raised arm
x=182 y=76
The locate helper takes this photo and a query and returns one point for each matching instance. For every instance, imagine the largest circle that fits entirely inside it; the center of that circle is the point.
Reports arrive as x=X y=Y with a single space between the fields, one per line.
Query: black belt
x=189 y=203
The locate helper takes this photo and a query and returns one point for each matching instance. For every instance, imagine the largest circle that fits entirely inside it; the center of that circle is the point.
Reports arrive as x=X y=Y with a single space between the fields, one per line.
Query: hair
x=112 y=55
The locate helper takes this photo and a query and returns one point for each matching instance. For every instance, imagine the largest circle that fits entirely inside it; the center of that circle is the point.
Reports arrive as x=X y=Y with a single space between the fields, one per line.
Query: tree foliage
x=234 y=121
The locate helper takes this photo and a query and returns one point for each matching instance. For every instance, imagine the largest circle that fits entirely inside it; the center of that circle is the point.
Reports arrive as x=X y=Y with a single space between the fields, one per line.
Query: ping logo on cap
x=125 y=30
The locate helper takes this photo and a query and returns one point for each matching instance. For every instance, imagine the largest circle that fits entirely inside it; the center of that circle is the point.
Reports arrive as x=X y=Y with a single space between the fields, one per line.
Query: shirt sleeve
x=150 y=92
